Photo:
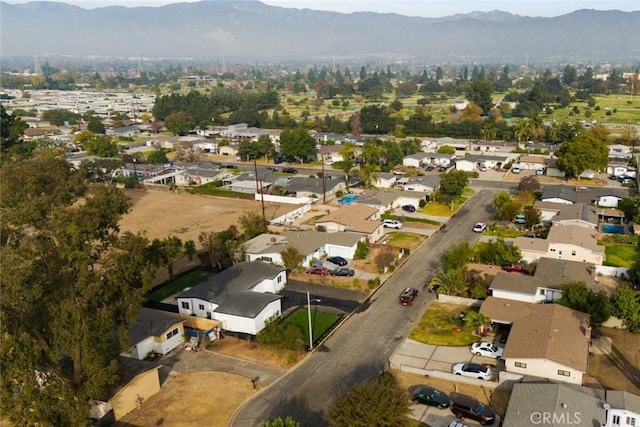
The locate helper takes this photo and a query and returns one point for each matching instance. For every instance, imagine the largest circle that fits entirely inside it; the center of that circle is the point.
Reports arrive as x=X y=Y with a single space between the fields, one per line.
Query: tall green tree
x=168 y=251
x=479 y=92
x=252 y=224
x=102 y=146
x=72 y=286
x=379 y=402
x=179 y=123
x=453 y=183
x=456 y=257
x=581 y=298
x=292 y=259
x=584 y=152
x=625 y=304
x=297 y=145
x=348 y=152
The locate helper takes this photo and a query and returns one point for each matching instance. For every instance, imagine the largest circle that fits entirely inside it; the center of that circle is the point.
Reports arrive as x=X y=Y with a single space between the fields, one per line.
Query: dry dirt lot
x=185 y=215
x=621 y=369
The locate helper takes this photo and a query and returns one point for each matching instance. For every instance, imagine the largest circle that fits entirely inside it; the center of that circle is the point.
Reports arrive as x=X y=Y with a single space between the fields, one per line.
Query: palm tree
x=367 y=174
x=451 y=282
x=348 y=153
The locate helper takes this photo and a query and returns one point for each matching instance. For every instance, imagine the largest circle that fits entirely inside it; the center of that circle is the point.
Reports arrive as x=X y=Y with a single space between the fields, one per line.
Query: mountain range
x=251 y=29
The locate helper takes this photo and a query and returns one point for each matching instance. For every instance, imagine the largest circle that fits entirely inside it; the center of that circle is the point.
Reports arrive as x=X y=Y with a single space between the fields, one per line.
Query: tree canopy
x=297 y=145
x=582 y=153
x=72 y=286
x=453 y=183
x=581 y=298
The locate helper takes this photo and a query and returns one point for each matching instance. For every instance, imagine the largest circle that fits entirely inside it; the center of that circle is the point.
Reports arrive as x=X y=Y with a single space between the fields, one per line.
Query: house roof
x=531 y=159
x=520 y=283
x=386 y=175
x=581 y=194
x=231 y=289
x=574 y=235
x=128 y=370
x=150 y=323
x=306 y=242
x=378 y=198
x=350 y=214
x=531 y=245
x=553 y=272
x=529 y=399
x=432 y=181
x=310 y=185
x=543 y=331
x=483 y=157
x=577 y=211
x=623 y=400
x=418 y=156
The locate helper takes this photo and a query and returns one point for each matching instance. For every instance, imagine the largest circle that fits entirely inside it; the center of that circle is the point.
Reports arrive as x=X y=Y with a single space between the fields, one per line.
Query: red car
x=519 y=268
x=322 y=271
x=408 y=295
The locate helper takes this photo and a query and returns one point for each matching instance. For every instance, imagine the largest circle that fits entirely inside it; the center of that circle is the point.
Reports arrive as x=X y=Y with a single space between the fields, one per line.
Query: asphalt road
x=361 y=347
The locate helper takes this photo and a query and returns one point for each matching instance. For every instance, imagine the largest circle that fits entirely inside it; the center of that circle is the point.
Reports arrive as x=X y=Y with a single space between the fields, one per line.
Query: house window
x=631 y=421
x=201 y=307
x=520 y=365
x=172 y=333
x=616 y=419
x=267 y=259
x=279 y=279
x=185 y=305
x=541 y=291
x=573 y=253
x=552 y=250
x=564 y=373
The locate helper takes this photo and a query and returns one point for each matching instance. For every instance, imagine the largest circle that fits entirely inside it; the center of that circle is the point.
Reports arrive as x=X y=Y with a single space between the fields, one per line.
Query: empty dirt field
x=185 y=215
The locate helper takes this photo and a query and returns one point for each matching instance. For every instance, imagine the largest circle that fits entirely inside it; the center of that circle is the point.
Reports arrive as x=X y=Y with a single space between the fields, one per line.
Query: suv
x=408 y=295
x=479 y=227
x=408 y=208
x=465 y=407
x=392 y=223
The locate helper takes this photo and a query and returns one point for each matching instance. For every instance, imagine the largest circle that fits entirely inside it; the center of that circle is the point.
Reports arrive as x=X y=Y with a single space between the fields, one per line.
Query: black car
x=272 y=168
x=230 y=166
x=337 y=260
x=279 y=159
x=343 y=271
x=409 y=208
x=289 y=170
x=465 y=407
x=430 y=396
x=429 y=168
x=407 y=296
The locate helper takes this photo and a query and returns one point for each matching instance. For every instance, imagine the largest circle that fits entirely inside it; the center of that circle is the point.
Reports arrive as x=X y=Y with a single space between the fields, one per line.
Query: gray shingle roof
x=150 y=322
x=231 y=289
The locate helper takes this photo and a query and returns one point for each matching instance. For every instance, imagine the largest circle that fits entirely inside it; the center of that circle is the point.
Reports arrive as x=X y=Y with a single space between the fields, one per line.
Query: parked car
x=230 y=166
x=272 y=168
x=539 y=171
x=473 y=370
x=337 y=260
x=429 y=168
x=479 y=227
x=289 y=170
x=322 y=271
x=343 y=271
x=483 y=168
x=456 y=423
x=408 y=208
x=408 y=295
x=465 y=407
x=279 y=159
x=392 y=223
x=515 y=169
x=519 y=268
x=430 y=396
x=486 y=349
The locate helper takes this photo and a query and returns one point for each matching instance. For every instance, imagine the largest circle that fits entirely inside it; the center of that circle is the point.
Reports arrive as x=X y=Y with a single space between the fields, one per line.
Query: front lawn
x=621 y=255
x=505 y=233
x=320 y=322
x=446 y=210
x=402 y=240
x=441 y=325
x=190 y=279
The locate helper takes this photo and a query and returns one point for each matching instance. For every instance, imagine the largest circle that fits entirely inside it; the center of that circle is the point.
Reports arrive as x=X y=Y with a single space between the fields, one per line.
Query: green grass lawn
x=437 y=327
x=320 y=322
x=401 y=239
x=503 y=232
x=190 y=279
x=439 y=209
x=621 y=255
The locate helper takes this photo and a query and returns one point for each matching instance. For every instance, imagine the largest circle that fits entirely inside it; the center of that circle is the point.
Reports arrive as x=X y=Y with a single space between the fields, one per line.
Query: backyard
x=320 y=322
x=189 y=279
x=441 y=325
x=621 y=255
x=619 y=370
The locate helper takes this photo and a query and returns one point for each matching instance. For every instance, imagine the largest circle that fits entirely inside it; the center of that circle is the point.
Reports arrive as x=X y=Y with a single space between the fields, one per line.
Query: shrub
x=385 y=258
x=373 y=283
x=362 y=250
x=422 y=203
x=339 y=193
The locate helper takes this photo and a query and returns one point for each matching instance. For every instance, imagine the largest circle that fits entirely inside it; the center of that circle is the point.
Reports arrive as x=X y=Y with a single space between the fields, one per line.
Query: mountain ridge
x=252 y=29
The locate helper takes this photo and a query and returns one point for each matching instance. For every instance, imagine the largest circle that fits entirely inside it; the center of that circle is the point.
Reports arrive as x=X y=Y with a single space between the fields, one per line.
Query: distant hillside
x=251 y=29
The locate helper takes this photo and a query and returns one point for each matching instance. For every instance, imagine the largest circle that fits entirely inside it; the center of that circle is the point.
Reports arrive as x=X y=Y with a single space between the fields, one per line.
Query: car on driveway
x=392 y=223
x=289 y=170
x=518 y=267
x=430 y=396
x=472 y=370
x=343 y=271
x=321 y=271
x=466 y=407
x=486 y=349
x=479 y=227
x=408 y=208
x=337 y=260
x=408 y=295
x=429 y=168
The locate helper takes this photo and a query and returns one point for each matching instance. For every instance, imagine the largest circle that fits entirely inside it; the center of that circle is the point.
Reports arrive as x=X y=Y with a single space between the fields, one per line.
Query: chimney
x=272 y=239
x=587 y=332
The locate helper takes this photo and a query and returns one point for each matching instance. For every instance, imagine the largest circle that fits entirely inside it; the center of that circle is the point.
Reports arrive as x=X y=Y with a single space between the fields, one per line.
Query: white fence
x=283 y=199
x=611 y=271
x=448 y=299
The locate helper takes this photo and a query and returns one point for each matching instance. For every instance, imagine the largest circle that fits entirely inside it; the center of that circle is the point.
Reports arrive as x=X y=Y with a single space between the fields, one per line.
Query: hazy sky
x=427 y=8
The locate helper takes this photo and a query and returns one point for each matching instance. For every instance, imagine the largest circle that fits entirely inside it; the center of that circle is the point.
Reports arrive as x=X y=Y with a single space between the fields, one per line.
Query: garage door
x=344 y=252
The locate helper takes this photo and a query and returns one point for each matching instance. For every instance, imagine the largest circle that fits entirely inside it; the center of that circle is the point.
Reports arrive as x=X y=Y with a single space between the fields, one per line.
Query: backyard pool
x=348 y=199
x=613 y=229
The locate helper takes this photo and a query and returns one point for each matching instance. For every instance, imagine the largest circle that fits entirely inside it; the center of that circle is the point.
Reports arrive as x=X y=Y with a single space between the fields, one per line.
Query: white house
x=154 y=331
x=385 y=180
x=423 y=184
x=622 y=409
x=311 y=244
x=546 y=340
x=242 y=298
x=469 y=163
x=545 y=284
x=531 y=163
x=416 y=160
x=619 y=151
x=570 y=242
x=357 y=218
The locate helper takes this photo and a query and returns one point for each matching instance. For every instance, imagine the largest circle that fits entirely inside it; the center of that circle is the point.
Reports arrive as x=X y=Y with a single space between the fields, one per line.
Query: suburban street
x=360 y=348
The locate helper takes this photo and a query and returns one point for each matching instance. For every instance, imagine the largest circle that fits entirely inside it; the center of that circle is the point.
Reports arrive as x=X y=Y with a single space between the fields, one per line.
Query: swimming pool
x=348 y=199
x=613 y=229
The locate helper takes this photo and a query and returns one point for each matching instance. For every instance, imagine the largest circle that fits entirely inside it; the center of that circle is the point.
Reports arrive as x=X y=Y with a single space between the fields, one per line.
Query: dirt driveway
x=185 y=215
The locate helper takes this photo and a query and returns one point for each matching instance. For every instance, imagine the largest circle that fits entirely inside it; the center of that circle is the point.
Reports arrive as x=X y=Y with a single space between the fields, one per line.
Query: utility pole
x=255 y=169
x=324 y=181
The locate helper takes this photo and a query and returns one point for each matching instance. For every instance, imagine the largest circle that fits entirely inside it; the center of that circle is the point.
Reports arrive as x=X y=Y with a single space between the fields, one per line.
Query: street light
x=135 y=173
x=309 y=301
